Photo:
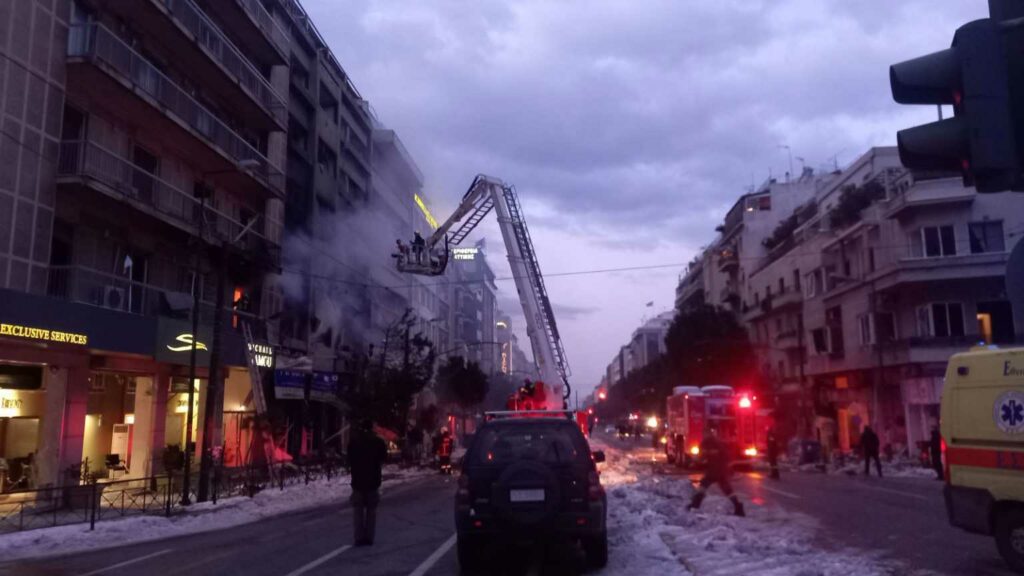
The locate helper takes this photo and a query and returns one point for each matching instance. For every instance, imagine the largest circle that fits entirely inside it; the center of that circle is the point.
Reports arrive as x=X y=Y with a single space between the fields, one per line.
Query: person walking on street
x=869 y=443
x=935 y=453
x=366 y=455
x=444 y=445
x=716 y=457
x=773 y=453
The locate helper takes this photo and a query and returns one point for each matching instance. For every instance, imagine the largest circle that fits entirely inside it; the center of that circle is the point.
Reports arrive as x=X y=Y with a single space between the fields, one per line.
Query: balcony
x=84 y=285
x=929 y=194
x=728 y=259
x=116 y=79
x=209 y=56
x=789 y=339
x=90 y=165
x=255 y=28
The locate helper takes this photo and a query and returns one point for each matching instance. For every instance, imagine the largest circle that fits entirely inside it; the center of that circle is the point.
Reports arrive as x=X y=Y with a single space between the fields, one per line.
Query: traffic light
x=974 y=76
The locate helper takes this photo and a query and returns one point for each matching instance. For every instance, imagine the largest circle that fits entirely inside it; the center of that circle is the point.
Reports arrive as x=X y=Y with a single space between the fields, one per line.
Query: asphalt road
x=414 y=522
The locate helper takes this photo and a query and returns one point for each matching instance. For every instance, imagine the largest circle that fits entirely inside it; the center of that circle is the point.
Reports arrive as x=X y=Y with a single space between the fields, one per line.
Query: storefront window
x=177 y=412
x=108 y=436
x=22 y=403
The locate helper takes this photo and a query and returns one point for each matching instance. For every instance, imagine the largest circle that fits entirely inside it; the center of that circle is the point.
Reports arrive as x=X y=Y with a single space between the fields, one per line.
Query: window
x=871 y=259
x=940 y=320
x=782 y=285
x=934 y=242
x=796 y=279
x=820 y=338
x=813 y=284
x=881 y=327
x=326 y=159
x=759 y=204
x=986 y=237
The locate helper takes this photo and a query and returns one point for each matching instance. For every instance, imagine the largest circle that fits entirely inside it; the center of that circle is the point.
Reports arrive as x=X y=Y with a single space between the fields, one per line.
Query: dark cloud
x=631 y=127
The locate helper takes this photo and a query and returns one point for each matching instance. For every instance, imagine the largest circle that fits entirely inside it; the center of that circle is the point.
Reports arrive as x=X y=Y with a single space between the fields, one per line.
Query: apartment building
x=144 y=154
x=891 y=273
x=473 y=299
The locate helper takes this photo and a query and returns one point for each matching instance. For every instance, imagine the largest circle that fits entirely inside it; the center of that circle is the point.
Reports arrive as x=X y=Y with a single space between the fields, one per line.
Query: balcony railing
x=210 y=37
x=121 y=293
x=97 y=43
x=278 y=36
x=90 y=160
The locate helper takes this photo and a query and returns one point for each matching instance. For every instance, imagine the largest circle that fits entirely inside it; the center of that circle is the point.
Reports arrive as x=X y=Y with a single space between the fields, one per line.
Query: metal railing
x=265 y=22
x=210 y=37
x=87 y=159
x=97 y=43
x=94 y=502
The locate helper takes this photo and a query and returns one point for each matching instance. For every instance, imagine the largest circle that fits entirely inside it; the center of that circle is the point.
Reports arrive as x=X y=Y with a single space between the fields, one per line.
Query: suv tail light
x=462 y=494
x=594 y=489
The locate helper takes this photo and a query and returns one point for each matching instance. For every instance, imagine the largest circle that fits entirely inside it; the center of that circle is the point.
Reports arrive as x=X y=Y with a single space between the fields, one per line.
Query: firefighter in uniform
x=444 y=445
x=716 y=458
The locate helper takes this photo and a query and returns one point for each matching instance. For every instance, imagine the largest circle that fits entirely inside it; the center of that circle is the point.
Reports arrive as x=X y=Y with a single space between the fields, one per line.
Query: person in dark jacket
x=773 y=453
x=366 y=455
x=935 y=453
x=716 y=458
x=869 y=444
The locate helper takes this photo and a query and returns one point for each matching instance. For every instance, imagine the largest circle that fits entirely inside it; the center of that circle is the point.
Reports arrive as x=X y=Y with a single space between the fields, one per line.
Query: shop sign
x=45 y=334
x=289 y=384
x=465 y=253
x=324 y=387
x=174 y=341
x=264 y=354
x=10 y=406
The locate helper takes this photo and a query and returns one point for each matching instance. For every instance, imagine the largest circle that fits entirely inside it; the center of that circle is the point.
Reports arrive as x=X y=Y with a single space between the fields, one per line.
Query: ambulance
x=983 y=433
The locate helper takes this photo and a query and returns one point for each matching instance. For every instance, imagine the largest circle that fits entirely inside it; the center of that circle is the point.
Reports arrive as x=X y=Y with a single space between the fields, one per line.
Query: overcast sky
x=628 y=127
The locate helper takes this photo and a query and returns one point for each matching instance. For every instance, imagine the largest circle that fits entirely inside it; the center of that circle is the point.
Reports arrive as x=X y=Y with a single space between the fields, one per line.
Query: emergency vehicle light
x=745 y=402
x=695 y=450
x=750 y=451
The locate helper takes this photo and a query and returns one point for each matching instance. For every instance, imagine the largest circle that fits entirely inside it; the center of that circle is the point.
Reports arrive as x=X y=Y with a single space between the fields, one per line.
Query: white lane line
x=433 y=558
x=127 y=563
x=779 y=492
x=897 y=492
x=318 y=561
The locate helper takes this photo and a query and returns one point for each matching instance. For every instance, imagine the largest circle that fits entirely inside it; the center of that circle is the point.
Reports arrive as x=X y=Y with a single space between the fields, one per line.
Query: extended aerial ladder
x=431 y=258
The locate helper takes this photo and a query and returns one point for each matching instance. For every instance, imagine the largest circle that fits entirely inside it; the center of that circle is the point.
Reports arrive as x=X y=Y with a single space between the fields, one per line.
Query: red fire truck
x=529 y=401
x=737 y=416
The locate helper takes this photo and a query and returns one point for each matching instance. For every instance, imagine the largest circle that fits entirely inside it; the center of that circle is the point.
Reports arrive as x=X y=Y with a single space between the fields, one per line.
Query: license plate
x=526 y=495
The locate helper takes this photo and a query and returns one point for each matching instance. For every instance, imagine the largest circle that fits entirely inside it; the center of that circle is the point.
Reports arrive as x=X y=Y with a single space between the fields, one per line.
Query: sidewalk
x=199 y=518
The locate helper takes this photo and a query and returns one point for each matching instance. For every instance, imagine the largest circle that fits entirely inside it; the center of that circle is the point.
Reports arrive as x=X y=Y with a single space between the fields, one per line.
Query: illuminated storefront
x=22 y=402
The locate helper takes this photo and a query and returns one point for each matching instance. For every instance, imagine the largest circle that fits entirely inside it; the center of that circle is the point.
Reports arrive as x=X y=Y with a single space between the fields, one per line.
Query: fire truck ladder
x=480 y=211
x=548 y=325
x=258 y=399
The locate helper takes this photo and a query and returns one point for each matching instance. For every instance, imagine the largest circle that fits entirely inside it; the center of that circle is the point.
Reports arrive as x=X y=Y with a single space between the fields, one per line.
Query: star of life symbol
x=1009 y=412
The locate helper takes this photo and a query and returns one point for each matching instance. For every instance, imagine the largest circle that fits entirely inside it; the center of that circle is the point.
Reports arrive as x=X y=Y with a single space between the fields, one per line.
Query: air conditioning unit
x=115 y=298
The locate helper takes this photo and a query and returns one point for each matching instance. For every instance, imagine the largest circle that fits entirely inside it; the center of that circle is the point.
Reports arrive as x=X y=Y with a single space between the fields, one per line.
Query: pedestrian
x=444 y=445
x=418 y=247
x=773 y=453
x=935 y=452
x=716 y=457
x=366 y=455
x=869 y=444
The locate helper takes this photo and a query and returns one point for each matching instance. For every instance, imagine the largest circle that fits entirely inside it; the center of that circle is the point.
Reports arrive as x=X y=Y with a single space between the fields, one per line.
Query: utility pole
x=214 y=387
x=186 y=498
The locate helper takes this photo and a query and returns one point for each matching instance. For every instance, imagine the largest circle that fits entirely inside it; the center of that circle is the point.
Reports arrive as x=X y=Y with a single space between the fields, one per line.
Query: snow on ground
x=203 y=517
x=650 y=531
x=897 y=468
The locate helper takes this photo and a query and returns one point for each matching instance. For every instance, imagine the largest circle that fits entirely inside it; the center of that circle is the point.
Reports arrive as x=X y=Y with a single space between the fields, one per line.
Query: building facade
x=143 y=155
x=864 y=292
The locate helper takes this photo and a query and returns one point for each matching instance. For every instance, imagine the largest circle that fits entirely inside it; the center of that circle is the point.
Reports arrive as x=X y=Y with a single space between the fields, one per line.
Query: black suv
x=530 y=478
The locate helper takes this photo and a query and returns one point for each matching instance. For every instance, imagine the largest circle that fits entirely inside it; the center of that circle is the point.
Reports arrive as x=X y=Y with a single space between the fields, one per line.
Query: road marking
x=780 y=492
x=318 y=561
x=127 y=563
x=898 y=492
x=433 y=558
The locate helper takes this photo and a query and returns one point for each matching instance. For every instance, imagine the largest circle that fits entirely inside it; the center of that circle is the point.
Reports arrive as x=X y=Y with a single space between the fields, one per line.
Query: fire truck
x=430 y=256
x=737 y=416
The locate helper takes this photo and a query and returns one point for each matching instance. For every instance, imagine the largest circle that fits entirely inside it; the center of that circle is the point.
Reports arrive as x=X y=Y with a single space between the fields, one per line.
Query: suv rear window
x=548 y=443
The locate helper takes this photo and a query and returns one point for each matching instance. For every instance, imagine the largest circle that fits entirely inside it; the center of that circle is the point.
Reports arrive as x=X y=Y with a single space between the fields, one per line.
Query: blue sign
x=324 y=387
x=289 y=384
x=1009 y=412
